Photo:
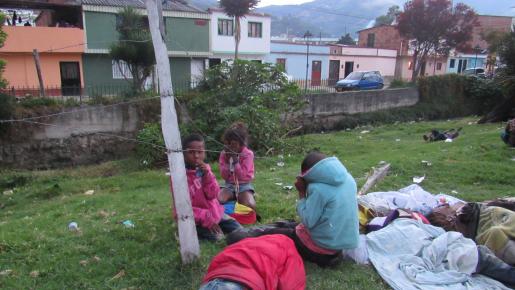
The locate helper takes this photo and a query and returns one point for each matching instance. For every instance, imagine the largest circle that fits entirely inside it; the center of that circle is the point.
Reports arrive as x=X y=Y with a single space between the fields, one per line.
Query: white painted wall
x=252 y=48
x=295 y=55
x=197 y=69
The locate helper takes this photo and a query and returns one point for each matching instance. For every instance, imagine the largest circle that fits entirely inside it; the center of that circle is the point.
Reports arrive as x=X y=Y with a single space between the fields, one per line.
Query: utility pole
x=38 y=70
x=307 y=35
x=188 y=240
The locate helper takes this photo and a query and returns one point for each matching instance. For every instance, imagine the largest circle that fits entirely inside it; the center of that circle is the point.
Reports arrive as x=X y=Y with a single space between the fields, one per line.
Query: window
x=225 y=27
x=255 y=29
x=371 y=38
x=281 y=64
x=438 y=66
x=452 y=63
x=121 y=70
x=410 y=65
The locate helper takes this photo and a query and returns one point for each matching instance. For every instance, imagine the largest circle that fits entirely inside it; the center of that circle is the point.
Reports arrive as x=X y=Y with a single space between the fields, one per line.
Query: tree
x=389 y=17
x=260 y=95
x=347 y=39
x=505 y=47
x=134 y=47
x=3 y=36
x=434 y=26
x=237 y=9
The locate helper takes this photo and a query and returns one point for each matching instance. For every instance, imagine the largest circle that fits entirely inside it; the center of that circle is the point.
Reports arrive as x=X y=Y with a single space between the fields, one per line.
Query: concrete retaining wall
x=83 y=136
x=324 y=110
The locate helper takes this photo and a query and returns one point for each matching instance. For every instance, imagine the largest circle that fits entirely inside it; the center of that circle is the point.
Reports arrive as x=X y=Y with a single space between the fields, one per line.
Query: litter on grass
x=397 y=140
x=128 y=224
x=280 y=164
x=279 y=184
x=287 y=187
x=418 y=179
x=89 y=192
x=73 y=226
x=427 y=163
x=364 y=132
x=8 y=192
x=34 y=274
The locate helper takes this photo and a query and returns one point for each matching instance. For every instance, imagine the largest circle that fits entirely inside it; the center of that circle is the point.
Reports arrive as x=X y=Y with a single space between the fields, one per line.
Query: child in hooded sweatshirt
x=237 y=167
x=208 y=212
x=328 y=211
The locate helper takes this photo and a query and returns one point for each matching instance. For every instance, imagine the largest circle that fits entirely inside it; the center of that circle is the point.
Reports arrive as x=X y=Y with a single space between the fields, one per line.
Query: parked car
x=478 y=71
x=361 y=80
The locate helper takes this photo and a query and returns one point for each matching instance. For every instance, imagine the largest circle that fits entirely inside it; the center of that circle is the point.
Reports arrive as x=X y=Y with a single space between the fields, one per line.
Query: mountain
x=204 y=4
x=333 y=18
x=329 y=17
x=337 y=17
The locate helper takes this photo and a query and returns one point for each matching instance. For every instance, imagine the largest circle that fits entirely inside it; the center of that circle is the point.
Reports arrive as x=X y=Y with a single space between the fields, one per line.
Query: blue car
x=361 y=80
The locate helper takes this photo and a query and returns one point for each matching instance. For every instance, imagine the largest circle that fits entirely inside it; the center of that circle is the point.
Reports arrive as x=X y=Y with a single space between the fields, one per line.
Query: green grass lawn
x=34 y=219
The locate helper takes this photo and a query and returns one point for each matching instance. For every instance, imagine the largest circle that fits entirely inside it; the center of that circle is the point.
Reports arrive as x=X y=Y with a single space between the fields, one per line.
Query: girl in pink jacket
x=237 y=167
x=210 y=219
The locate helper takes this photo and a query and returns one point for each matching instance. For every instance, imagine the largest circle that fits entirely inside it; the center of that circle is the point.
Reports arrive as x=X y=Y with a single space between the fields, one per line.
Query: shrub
x=257 y=94
x=147 y=153
x=398 y=83
x=441 y=97
x=10 y=181
x=39 y=102
x=6 y=110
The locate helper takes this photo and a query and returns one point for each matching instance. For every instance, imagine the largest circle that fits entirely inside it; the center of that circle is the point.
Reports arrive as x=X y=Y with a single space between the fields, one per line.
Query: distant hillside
x=336 y=17
x=204 y=4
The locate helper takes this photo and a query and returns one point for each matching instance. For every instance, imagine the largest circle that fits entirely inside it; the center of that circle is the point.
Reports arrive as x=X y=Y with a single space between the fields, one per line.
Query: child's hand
x=215 y=229
x=300 y=184
x=203 y=166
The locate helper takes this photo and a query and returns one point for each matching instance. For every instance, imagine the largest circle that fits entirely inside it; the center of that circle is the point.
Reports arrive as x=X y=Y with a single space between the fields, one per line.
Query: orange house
x=60 y=52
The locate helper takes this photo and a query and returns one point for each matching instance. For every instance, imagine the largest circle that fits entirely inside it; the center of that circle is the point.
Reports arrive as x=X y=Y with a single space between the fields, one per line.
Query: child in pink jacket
x=237 y=167
x=210 y=219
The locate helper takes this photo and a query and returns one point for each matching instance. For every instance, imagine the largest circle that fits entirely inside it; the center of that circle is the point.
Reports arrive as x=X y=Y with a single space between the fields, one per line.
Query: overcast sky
x=281 y=2
x=489 y=7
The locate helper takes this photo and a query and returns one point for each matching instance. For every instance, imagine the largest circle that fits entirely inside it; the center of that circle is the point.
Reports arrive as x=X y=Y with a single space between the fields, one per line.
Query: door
x=334 y=72
x=70 y=78
x=316 y=73
x=462 y=65
x=349 y=67
x=366 y=82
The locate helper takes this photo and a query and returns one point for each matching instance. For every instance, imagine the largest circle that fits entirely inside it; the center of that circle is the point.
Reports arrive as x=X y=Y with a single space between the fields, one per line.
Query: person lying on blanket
x=327 y=208
x=489 y=223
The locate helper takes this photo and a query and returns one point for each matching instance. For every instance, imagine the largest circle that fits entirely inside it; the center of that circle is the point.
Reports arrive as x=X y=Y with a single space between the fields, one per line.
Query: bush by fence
x=441 y=97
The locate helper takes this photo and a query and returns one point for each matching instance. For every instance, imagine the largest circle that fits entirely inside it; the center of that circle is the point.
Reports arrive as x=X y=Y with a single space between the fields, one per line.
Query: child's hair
x=311 y=159
x=237 y=132
x=191 y=138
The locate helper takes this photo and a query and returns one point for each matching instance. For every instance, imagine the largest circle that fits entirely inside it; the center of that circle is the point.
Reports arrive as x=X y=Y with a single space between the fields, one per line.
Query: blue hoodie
x=330 y=209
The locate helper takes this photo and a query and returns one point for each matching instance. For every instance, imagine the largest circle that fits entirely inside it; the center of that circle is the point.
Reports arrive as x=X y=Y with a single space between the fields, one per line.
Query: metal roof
x=173 y=5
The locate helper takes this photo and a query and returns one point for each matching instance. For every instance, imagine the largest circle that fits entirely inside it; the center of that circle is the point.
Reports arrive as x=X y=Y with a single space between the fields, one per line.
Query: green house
x=187 y=39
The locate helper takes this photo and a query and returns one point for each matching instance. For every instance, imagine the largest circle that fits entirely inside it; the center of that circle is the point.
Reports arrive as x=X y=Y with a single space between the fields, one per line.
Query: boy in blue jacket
x=328 y=210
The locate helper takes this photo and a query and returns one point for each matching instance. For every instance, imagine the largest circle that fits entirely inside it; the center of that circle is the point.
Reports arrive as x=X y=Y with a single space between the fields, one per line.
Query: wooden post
x=38 y=70
x=188 y=240
x=374 y=177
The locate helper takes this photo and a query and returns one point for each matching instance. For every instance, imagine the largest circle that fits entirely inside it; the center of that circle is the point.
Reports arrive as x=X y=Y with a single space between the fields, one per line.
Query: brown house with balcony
x=388 y=37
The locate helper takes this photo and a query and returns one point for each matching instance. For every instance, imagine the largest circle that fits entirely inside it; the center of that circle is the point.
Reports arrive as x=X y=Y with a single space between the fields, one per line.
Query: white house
x=295 y=60
x=255 y=36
